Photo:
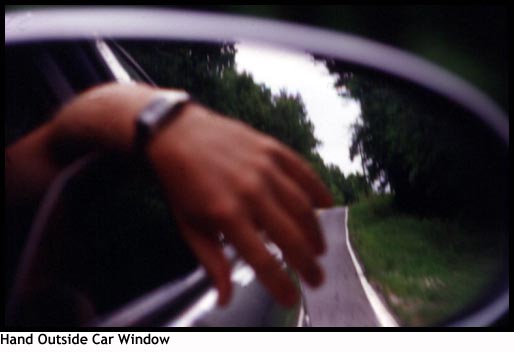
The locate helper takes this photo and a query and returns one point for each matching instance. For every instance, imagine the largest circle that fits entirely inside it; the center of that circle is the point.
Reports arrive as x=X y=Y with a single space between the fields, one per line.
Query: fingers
x=303 y=174
x=210 y=254
x=286 y=233
x=296 y=202
x=245 y=237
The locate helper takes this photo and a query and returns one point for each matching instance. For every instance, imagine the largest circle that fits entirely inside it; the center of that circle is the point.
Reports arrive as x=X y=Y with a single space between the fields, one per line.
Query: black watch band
x=159 y=112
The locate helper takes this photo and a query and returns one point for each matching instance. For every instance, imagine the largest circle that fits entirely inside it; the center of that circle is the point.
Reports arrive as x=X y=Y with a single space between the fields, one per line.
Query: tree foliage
x=435 y=157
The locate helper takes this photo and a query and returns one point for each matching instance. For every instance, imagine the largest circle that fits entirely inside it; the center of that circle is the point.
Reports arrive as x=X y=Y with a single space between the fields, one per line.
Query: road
x=341 y=300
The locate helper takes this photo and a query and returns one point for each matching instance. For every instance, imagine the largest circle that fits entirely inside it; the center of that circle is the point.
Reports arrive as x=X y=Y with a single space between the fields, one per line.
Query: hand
x=220 y=175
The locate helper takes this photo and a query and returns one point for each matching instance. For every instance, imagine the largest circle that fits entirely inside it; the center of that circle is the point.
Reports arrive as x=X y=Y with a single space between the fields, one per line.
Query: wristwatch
x=159 y=112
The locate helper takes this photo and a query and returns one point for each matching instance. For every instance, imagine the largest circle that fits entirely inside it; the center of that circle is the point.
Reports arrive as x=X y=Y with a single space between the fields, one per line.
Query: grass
x=426 y=269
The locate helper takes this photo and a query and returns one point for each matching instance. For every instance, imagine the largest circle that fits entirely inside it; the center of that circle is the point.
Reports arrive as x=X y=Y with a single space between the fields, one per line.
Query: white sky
x=331 y=114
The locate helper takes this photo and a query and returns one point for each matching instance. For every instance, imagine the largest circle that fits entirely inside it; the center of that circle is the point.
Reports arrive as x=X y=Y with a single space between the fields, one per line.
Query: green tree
x=433 y=155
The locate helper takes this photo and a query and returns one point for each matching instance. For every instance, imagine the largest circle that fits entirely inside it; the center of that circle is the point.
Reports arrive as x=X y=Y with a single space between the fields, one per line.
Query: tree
x=433 y=155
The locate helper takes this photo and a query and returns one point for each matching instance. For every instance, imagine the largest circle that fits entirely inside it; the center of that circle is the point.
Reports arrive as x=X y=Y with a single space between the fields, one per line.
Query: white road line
x=384 y=318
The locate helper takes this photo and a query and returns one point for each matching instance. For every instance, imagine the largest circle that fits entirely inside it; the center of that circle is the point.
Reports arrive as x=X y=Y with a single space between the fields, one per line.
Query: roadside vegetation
x=427 y=269
x=434 y=238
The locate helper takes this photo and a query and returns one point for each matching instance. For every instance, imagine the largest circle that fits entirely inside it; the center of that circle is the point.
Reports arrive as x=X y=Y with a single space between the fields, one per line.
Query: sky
x=296 y=72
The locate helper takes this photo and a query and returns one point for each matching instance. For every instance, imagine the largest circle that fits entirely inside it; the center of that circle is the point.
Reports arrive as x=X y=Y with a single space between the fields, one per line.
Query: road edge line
x=384 y=318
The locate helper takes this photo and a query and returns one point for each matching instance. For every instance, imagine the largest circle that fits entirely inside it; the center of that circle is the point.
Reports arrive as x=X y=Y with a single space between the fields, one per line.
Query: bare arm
x=99 y=119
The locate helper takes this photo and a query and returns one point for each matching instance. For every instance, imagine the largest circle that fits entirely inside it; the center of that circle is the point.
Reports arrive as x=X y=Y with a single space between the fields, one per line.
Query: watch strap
x=159 y=112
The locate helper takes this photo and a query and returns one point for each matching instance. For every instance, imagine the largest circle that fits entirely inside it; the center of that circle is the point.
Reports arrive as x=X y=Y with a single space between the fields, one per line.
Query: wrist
x=102 y=119
x=168 y=142
x=156 y=115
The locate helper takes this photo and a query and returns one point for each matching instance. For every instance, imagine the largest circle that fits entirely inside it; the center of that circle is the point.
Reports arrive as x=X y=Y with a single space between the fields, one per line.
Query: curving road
x=341 y=300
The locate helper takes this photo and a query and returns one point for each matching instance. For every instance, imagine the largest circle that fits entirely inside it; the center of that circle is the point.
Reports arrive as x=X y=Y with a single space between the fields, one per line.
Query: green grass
x=426 y=269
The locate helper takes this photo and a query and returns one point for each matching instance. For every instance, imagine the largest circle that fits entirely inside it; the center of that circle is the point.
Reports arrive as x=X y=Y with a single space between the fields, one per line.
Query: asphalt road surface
x=341 y=300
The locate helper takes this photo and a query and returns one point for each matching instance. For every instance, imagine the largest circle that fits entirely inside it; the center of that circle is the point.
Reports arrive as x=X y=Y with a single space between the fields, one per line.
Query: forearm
x=29 y=167
x=101 y=119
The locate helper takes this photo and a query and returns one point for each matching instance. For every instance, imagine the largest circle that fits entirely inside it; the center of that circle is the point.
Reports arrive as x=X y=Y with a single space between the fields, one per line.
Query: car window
x=121 y=61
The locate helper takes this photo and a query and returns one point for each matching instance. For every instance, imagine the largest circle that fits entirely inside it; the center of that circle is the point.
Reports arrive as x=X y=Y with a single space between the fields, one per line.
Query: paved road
x=341 y=301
